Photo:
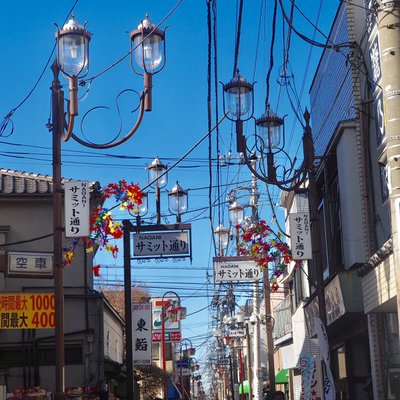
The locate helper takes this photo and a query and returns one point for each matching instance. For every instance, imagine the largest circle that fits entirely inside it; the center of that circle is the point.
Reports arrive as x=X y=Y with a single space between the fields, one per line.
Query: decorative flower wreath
x=102 y=224
x=256 y=242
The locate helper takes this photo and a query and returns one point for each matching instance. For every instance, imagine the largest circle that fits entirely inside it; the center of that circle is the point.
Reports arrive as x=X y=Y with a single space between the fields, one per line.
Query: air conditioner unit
x=393 y=383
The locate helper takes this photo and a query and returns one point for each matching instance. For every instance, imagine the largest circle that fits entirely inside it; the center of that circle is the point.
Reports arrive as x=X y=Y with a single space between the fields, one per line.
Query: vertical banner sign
x=307 y=371
x=141 y=328
x=300 y=236
x=77 y=208
x=329 y=383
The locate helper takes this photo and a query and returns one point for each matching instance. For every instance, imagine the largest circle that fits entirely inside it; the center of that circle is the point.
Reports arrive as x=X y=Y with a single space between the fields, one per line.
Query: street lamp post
x=178 y=313
x=267 y=145
x=189 y=352
x=73 y=61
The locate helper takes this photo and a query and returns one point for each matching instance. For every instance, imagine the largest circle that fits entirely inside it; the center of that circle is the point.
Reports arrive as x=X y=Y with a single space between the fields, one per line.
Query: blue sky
x=178 y=119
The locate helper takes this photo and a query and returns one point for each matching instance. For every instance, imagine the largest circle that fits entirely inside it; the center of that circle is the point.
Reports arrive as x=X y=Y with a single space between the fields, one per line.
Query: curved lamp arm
x=69 y=125
x=300 y=175
x=68 y=118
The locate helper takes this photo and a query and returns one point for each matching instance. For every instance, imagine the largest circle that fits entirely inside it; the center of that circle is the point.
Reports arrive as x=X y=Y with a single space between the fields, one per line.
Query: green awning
x=282 y=376
x=244 y=387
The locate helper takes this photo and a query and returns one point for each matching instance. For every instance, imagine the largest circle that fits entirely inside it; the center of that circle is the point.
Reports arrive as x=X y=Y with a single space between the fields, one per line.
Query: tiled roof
x=19 y=182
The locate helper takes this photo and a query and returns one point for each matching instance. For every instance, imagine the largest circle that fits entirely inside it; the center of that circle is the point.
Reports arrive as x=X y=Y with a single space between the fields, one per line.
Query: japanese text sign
x=300 y=234
x=27 y=311
x=157 y=244
x=172 y=336
x=142 y=336
x=77 y=208
x=23 y=263
x=228 y=271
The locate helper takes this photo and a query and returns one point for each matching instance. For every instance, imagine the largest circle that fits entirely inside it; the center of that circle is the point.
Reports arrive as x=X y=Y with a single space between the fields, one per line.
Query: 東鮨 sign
x=27 y=310
x=142 y=334
x=228 y=269
x=77 y=208
x=300 y=234
x=33 y=264
x=161 y=244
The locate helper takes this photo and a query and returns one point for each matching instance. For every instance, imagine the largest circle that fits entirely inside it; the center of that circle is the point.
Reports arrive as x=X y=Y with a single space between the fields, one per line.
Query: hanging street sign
x=300 y=236
x=142 y=334
x=235 y=269
x=33 y=264
x=77 y=208
x=158 y=244
x=27 y=310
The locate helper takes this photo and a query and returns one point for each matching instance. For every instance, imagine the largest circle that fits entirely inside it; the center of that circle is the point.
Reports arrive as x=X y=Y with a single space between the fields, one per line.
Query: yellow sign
x=27 y=310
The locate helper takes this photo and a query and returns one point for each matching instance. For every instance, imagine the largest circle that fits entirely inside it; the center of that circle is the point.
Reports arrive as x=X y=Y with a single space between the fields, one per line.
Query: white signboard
x=300 y=234
x=141 y=328
x=22 y=263
x=237 y=333
x=170 y=302
x=228 y=271
x=156 y=244
x=77 y=208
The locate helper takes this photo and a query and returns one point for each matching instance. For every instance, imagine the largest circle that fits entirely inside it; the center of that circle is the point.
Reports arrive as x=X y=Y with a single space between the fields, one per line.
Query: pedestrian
x=278 y=395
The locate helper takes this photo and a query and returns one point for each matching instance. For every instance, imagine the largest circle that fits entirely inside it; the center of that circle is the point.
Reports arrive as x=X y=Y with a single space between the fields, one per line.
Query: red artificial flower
x=96 y=270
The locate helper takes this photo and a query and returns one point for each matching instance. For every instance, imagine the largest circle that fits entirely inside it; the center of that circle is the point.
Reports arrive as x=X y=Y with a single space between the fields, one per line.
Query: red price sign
x=27 y=311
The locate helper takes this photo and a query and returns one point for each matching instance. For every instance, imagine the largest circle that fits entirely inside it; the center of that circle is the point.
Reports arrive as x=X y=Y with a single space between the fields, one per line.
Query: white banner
x=300 y=234
x=77 y=208
x=142 y=337
x=329 y=383
x=228 y=271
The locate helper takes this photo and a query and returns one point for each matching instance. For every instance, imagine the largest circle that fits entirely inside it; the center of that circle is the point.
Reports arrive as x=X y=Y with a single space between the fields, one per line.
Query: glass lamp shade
x=236 y=214
x=73 y=48
x=240 y=317
x=177 y=200
x=221 y=236
x=148 y=45
x=155 y=173
x=270 y=128
x=143 y=208
x=238 y=96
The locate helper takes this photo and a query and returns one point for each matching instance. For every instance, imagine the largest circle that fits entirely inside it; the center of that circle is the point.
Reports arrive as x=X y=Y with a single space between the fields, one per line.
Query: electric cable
x=7 y=118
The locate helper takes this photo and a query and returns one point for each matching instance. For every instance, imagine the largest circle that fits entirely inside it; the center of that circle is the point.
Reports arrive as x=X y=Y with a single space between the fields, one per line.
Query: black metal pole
x=57 y=99
x=128 y=308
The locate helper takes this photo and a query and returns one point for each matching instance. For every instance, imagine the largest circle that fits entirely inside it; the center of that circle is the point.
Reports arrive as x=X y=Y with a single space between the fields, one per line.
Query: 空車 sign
x=300 y=234
x=23 y=263
x=232 y=269
x=161 y=244
x=27 y=310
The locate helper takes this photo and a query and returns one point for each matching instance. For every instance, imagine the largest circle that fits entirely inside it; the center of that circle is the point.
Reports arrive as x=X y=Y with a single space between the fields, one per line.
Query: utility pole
x=256 y=303
x=388 y=21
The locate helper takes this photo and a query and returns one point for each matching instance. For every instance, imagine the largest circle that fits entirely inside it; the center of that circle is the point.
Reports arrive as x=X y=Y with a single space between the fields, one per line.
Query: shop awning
x=244 y=388
x=282 y=376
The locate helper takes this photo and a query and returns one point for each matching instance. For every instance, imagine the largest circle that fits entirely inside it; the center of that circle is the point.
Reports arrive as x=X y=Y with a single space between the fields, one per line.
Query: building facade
x=353 y=211
x=93 y=330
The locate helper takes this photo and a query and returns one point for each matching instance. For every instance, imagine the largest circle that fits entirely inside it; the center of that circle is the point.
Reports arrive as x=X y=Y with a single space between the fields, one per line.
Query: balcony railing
x=283 y=318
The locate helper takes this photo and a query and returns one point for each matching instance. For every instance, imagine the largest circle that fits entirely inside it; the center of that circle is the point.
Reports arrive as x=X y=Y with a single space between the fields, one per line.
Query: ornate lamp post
x=268 y=142
x=73 y=61
x=177 y=312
